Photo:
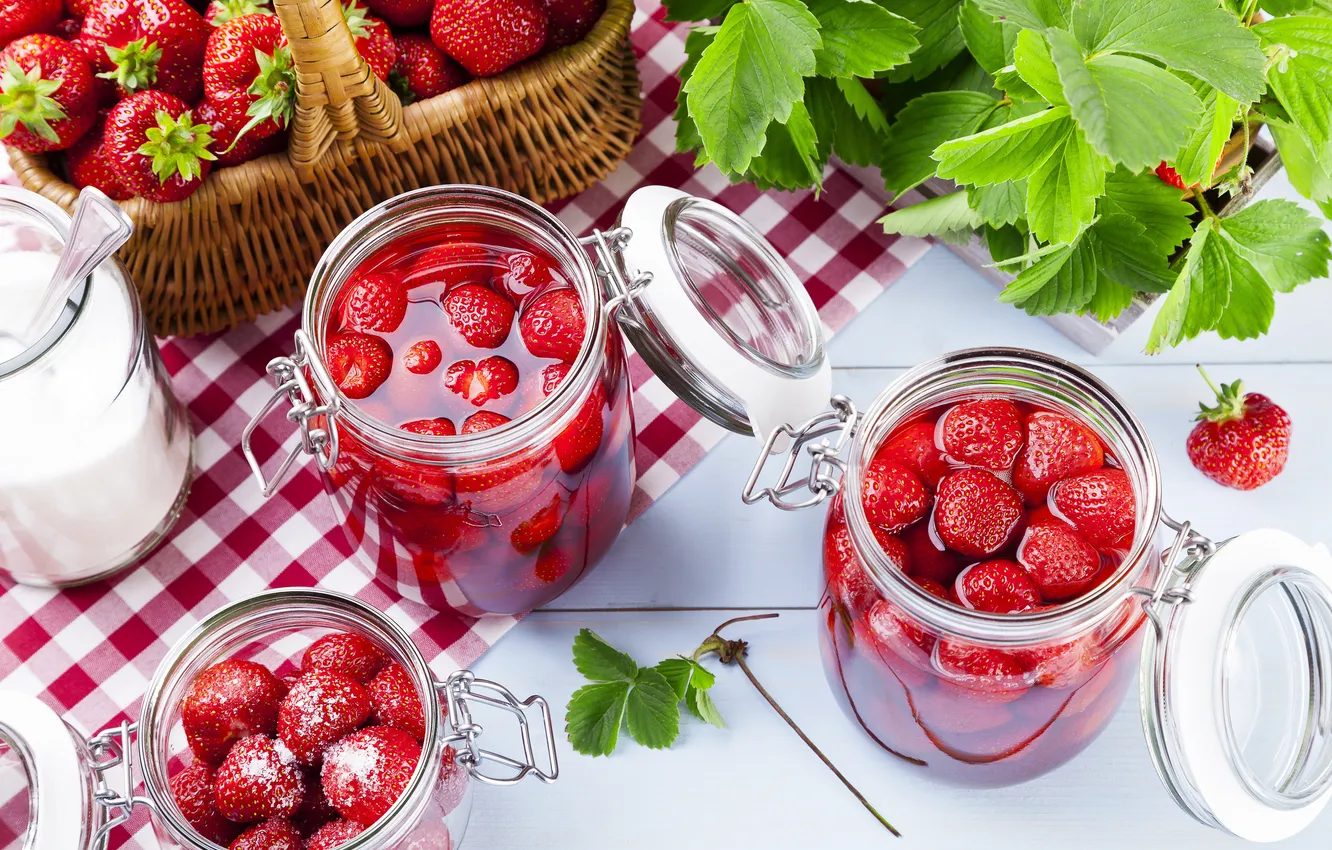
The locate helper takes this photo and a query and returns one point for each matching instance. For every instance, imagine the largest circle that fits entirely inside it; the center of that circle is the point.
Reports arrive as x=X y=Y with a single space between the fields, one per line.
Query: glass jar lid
x=40 y=763
x=1236 y=691
x=718 y=315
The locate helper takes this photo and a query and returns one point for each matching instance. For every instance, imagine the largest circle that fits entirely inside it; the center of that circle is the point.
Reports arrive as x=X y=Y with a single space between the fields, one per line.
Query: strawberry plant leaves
x=594 y=717
x=935 y=217
x=1310 y=176
x=1031 y=59
x=677 y=671
x=1126 y=256
x=599 y=661
x=1062 y=190
x=1301 y=78
x=1031 y=14
x=1060 y=282
x=1130 y=110
x=750 y=75
x=1000 y=203
x=700 y=704
x=840 y=127
x=989 y=40
x=1197 y=160
x=1110 y=299
x=1005 y=243
x=1161 y=209
x=696 y=10
x=1251 y=306
x=939 y=36
x=1200 y=294
x=1008 y=152
x=864 y=104
x=1286 y=244
x=860 y=39
x=924 y=124
x=652 y=711
x=789 y=156
x=686 y=132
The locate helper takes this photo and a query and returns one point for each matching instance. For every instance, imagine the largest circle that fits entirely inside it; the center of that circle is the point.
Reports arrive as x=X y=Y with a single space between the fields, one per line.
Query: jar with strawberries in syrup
x=461 y=379
x=293 y=720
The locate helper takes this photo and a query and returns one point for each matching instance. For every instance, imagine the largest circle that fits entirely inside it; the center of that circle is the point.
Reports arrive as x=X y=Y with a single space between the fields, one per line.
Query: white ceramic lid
x=724 y=321
x=49 y=771
x=1237 y=694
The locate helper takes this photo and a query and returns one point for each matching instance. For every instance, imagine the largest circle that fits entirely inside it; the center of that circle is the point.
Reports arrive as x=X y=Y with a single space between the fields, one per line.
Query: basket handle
x=337 y=96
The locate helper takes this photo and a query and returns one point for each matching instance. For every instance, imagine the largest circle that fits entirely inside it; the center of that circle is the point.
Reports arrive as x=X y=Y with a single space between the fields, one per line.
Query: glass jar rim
x=393 y=216
x=897 y=401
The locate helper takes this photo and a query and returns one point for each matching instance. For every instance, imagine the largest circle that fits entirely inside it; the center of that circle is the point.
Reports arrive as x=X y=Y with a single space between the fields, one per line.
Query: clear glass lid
x=1237 y=687
x=719 y=315
x=44 y=792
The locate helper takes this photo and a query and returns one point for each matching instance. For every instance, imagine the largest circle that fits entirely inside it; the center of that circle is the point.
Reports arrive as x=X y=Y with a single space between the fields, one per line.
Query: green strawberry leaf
x=990 y=40
x=1197 y=160
x=789 y=159
x=838 y=124
x=1008 y=152
x=749 y=76
x=696 y=10
x=1301 y=76
x=1110 y=299
x=1251 y=305
x=864 y=104
x=1200 y=294
x=1130 y=110
x=1160 y=208
x=1286 y=245
x=1000 y=203
x=945 y=214
x=939 y=36
x=686 y=131
x=1126 y=256
x=1031 y=59
x=677 y=671
x=652 y=711
x=1029 y=14
x=700 y=705
x=923 y=125
x=1062 y=191
x=1309 y=175
x=599 y=661
x=1060 y=282
x=594 y=717
x=860 y=39
x=1005 y=243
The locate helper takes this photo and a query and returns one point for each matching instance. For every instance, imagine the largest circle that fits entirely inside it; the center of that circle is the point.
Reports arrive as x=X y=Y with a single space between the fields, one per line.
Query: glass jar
x=709 y=305
x=64 y=774
x=94 y=447
x=1234 y=638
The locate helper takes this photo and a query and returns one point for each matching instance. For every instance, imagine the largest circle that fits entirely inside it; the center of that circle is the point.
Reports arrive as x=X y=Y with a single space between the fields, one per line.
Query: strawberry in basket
x=147 y=44
x=25 y=17
x=46 y=94
x=221 y=11
x=422 y=70
x=373 y=39
x=249 y=77
x=569 y=21
x=89 y=165
x=402 y=13
x=157 y=148
x=488 y=36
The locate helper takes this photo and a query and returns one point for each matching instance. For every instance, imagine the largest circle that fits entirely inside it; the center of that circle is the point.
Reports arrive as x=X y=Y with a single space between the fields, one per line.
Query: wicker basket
x=246 y=241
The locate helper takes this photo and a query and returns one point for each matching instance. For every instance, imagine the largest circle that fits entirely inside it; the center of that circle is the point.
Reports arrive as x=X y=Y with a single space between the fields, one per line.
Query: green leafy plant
x=1063 y=124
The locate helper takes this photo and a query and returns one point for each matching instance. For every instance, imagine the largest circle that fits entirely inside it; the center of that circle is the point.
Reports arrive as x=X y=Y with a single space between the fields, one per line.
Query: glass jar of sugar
x=94 y=447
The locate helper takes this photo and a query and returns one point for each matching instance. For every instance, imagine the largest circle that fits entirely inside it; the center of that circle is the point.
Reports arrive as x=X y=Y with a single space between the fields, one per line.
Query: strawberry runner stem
x=735 y=652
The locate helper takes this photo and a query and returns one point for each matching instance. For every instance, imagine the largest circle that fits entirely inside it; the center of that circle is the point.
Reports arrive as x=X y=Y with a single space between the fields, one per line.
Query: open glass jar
x=502 y=520
x=78 y=791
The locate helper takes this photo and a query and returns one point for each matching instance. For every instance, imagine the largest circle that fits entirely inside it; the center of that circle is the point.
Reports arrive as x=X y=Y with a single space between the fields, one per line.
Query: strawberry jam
x=992 y=507
x=450 y=332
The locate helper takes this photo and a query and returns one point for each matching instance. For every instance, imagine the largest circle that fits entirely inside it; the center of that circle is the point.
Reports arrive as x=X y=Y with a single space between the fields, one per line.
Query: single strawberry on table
x=248 y=73
x=1243 y=441
x=26 y=17
x=221 y=11
x=157 y=147
x=373 y=39
x=422 y=71
x=568 y=21
x=148 y=44
x=47 y=100
x=488 y=36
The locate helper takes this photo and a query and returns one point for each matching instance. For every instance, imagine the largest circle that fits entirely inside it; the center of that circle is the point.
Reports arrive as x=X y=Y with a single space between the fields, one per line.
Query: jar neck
x=1042 y=380
x=267 y=621
x=477 y=206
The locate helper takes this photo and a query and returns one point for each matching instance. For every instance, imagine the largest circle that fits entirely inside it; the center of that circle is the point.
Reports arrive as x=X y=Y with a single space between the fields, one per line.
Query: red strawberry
x=979 y=672
x=226 y=121
x=1243 y=441
x=1099 y=505
x=46 y=94
x=258 y=780
x=480 y=314
x=359 y=363
x=453 y=779
x=321 y=708
x=157 y=148
x=529 y=534
x=373 y=303
x=78 y=8
x=488 y=36
x=483 y=420
x=395 y=702
x=452 y=264
x=373 y=39
x=25 y=17
x=315 y=809
x=422 y=71
x=346 y=653
x=402 y=13
x=68 y=28
x=423 y=357
x=366 y=772
x=525 y=272
x=848 y=584
x=976 y=513
x=914 y=448
x=984 y=432
x=1061 y=563
x=892 y=495
x=568 y=21
x=275 y=834
x=552 y=565
x=88 y=165
x=148 y=44
x=248 y=72
x=192 y=789
x=999 y=587
x=1056 y=448
x=219 y=12
x=927 y=559
x=333 y=835
x=413 y=482
x=554 y=326
x=229 y=701
x=899 y=633
x=1062 y=665
x=437 y=427
x=487 y=381
x=578 y=442
x=1169 y=175
x=552 y=376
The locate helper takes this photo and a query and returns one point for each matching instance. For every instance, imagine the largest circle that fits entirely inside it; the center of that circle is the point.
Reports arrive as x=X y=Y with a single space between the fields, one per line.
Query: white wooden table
x=700 y=557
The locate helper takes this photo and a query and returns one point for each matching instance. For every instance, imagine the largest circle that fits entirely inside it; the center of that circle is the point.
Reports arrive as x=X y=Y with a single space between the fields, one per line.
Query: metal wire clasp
x=826 y=469
x=1188 y=550
x=318 y=439
x=620 y=288
x=112 y=749
x=462 y=689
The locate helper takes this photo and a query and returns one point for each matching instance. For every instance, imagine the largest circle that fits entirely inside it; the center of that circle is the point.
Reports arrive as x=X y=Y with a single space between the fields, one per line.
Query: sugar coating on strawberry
x=998 y=587
x=481 y=383
x=259 y=779
x=157 y=147
x=554 y=325
x=347 y=653
x=192 y=789
x=480 y=314
x=568 y=21
x=422 y=71
x=373 y=303
x=423 y=357
x=892 y=496
x=488 y=36
x=321 y=708
x=1057 y=446
x=914 y=448
x=47 y=100
x=366 y=772
x=976 y=513
x=984 y=432
x=148 y=44
x=274 y=834
x=315 y=809
x=88 y=165
x=1243 y=441
x=359 y=363
x=1100 y=505
x=1059 y=561
x=395 y=702
x=334 y=834
x=227 y=702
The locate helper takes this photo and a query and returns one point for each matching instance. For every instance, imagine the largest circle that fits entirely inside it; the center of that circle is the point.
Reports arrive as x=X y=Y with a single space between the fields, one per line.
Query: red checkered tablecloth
x=90 y=652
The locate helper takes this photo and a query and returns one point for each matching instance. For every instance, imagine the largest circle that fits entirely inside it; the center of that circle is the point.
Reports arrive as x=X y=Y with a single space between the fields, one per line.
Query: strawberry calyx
x=177 y=146
x=401 y=87
x=25 y=98
x=274 y=88
x=355 y=16
x=135 y=64
x=227 y=10
x=1229 y=401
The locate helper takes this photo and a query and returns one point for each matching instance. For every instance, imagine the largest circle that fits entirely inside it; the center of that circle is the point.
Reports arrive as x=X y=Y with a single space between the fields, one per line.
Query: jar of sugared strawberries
x=461 y=380
x=293 y=720
x=994 y=575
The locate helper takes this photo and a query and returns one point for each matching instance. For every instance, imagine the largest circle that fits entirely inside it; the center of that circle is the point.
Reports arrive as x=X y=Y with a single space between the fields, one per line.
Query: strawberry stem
x=227 y=10
x=25 y=98
x=135 y=65
x=177 y=146
x=1229 y=400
